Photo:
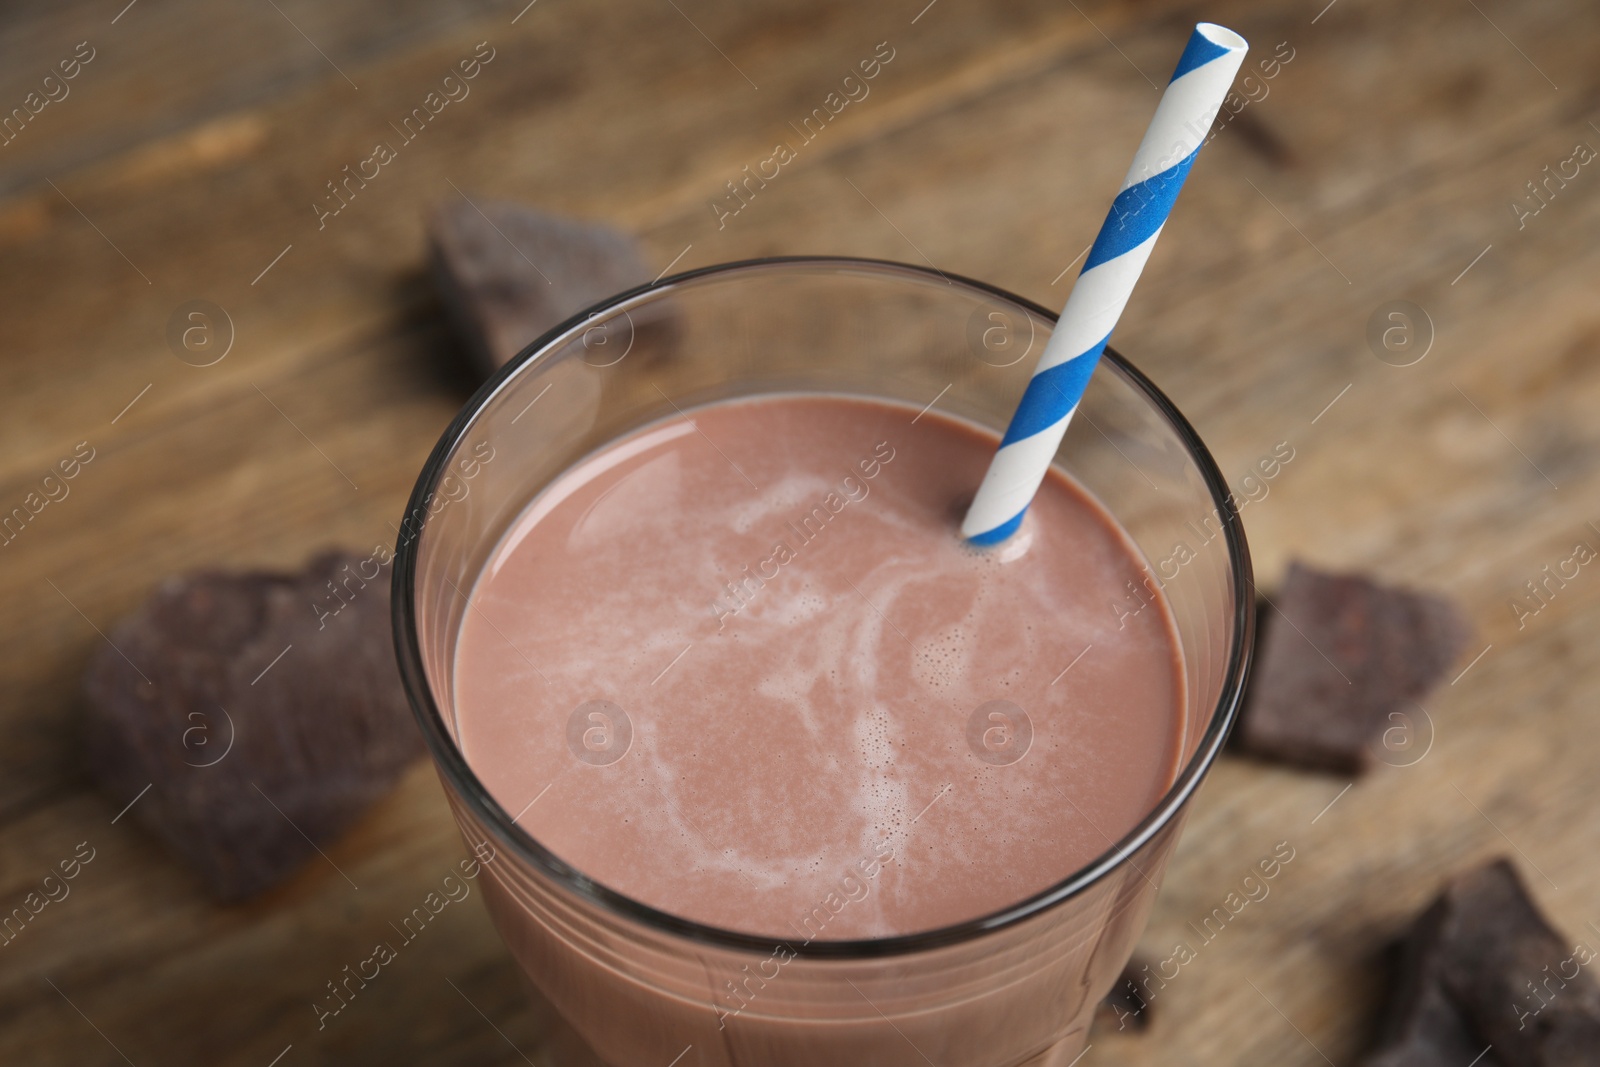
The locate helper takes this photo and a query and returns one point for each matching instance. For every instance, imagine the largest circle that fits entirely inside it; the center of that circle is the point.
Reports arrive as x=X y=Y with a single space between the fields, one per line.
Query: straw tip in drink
x=1222 y=37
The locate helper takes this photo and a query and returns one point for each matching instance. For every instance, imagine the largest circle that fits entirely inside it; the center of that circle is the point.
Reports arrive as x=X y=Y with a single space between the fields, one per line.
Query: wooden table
x=1381 y=162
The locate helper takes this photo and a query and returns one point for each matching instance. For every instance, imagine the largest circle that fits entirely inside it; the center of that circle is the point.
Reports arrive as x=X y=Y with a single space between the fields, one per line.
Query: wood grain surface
x=1379 y=163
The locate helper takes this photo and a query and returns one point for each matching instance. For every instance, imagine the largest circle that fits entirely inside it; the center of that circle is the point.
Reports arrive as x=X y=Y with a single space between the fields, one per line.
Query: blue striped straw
x=1182 y=120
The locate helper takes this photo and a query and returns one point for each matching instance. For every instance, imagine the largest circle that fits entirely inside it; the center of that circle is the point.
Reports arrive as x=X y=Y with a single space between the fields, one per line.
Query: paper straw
x=1182 y=120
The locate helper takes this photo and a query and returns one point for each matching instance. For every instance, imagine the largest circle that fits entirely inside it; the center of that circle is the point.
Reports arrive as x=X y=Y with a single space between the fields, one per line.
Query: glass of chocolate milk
x=767 y=766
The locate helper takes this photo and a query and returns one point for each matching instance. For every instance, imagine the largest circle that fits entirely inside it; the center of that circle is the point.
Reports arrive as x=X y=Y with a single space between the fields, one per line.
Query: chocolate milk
x=740 y=667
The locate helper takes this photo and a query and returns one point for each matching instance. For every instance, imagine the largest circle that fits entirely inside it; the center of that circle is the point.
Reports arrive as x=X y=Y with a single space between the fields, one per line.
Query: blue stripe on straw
x=1138 y=212
x=1042 y=402
x=1197 y=53
x=1001 y=532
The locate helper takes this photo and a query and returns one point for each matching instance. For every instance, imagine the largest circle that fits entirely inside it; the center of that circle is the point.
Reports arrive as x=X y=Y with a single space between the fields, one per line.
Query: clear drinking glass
x=1018 y=986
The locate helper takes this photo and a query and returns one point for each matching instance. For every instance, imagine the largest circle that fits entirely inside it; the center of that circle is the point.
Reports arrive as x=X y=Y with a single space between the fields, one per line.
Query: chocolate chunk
x=1126 y=1009
x=1525 y=989
x=1422 y=1026
x=264 y=711
x=1483 y=969
x=508 y=273
x=1342 y=661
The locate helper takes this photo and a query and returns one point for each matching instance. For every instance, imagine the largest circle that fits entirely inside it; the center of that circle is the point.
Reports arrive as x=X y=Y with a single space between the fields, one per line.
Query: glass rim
x=453 y=764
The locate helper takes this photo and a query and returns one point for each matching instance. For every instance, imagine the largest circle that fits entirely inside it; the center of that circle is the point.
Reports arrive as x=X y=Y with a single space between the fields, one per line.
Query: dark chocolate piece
x=1483 y=974
x=1342 y=661
x=508 y=273
x=1125 y=1009
x=1526 y=990
x=1422 y=1026
x=273 y=715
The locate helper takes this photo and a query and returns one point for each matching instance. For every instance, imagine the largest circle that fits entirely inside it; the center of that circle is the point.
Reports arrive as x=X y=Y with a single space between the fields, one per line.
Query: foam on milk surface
x=800 y=763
